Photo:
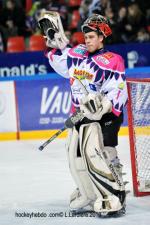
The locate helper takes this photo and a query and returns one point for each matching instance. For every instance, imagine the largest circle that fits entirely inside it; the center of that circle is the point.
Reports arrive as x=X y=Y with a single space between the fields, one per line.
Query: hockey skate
x=109 y=207
x=79 y=203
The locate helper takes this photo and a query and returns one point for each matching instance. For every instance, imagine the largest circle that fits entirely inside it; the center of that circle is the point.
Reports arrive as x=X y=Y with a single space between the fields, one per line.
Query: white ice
x=39 y=182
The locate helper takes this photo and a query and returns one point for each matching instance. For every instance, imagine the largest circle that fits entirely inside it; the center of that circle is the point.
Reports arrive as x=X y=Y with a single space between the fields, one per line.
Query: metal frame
x=132 y=137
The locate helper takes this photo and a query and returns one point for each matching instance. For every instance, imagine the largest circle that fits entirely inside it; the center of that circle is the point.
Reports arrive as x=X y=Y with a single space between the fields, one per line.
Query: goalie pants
x=110 y=125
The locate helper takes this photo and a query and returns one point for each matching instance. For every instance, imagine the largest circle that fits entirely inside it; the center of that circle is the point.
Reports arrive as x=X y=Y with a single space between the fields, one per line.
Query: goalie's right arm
x=52 y=30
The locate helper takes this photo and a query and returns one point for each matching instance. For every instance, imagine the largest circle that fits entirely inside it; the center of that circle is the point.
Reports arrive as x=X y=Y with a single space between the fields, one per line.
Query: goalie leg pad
x=107 y=183
x=84 y=194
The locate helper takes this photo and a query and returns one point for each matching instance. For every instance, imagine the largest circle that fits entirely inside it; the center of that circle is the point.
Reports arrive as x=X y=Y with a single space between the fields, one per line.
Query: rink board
x=8 y=111
x=45 y=134
x=40 y=108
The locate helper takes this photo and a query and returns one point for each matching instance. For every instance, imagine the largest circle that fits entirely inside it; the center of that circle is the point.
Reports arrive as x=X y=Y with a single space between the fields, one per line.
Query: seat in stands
x=36 y=43
x=16 y=44
x=77 y=38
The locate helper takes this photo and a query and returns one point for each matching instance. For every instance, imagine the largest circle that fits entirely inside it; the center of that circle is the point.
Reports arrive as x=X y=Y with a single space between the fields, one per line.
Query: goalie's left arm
x=51 y=26
x=94 y=106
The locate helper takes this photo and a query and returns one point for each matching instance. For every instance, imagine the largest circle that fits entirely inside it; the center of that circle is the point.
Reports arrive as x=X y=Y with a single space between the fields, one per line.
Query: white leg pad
x=79 y=173
x=105 y=179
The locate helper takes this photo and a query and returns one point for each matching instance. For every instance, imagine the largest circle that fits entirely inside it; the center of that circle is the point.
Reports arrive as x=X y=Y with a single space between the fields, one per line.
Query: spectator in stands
x=88 y=7
x=31 y=18
x=52 y=5
x=12 y=19
x=104 y=4
x=48 y=5
x=120 y=29
x=1 y=42
x=94 y=6
x=109 y=13
x=142 y=35
x=148 y=19
x=84 y=9
x=135 y=21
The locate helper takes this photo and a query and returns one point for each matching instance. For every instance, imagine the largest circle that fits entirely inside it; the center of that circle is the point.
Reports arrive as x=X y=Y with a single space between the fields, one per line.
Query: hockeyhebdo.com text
x=66 y=214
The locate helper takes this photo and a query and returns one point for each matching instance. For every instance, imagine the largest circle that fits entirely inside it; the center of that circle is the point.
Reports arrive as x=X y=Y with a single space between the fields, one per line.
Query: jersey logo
x=108 y=55
x=102 y=59
x=92 y=87
x=82 y=74
x=121 y=86
x=80 y=51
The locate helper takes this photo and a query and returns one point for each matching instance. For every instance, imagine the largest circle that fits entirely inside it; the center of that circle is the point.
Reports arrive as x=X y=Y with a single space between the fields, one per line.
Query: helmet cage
x=98 y=23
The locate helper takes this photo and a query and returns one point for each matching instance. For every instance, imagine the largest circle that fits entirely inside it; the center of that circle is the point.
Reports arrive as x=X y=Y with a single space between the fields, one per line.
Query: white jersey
x=102 y=72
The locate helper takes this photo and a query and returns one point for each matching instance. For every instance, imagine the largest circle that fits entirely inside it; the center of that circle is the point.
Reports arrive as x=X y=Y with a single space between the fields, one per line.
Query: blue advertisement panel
x=43 y=104
x=33 y=64
x=134 y=54
x=139 y=72
x=23 y=64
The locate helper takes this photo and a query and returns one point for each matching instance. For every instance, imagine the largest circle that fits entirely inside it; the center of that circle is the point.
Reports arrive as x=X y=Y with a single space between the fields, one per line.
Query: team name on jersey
x=82 y=74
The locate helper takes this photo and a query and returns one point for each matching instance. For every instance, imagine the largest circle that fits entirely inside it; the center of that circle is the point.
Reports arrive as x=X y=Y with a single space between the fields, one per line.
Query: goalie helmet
x=97 y=23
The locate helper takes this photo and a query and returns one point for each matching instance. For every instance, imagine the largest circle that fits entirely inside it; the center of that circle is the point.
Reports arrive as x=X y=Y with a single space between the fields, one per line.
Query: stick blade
x=41 y=148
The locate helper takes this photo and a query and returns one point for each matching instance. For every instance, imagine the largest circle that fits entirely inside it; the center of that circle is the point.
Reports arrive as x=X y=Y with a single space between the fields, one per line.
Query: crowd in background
x=129 y=19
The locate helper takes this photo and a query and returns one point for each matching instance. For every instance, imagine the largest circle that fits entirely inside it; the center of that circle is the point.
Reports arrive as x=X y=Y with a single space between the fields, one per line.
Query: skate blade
x=113 y=214
x=86 y=209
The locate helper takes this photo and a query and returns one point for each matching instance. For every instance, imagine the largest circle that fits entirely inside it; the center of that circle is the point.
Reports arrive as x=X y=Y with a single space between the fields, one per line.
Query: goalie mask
x=52 y=29
x=98 y=24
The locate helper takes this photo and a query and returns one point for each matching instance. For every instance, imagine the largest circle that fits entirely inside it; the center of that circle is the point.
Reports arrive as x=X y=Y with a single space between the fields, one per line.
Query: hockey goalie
x=98 y=88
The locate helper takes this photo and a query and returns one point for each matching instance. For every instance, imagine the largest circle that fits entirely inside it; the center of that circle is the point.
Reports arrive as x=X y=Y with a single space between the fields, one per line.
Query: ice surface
x=39 y=182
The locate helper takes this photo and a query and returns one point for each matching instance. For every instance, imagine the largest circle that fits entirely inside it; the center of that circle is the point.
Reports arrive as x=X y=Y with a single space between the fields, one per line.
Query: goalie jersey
x=101 y=71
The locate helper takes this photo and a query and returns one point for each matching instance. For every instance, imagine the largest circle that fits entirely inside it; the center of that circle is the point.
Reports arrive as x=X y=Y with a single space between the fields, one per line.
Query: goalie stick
x=69 y=123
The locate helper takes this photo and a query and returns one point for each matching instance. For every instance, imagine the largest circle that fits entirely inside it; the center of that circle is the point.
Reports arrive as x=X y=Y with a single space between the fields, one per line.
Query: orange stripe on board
x=8 y=136
x=43 y=134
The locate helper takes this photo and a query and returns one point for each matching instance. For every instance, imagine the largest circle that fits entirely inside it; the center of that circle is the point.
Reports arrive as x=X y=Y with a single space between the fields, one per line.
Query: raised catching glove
x=52 y=29
x=94 y=106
